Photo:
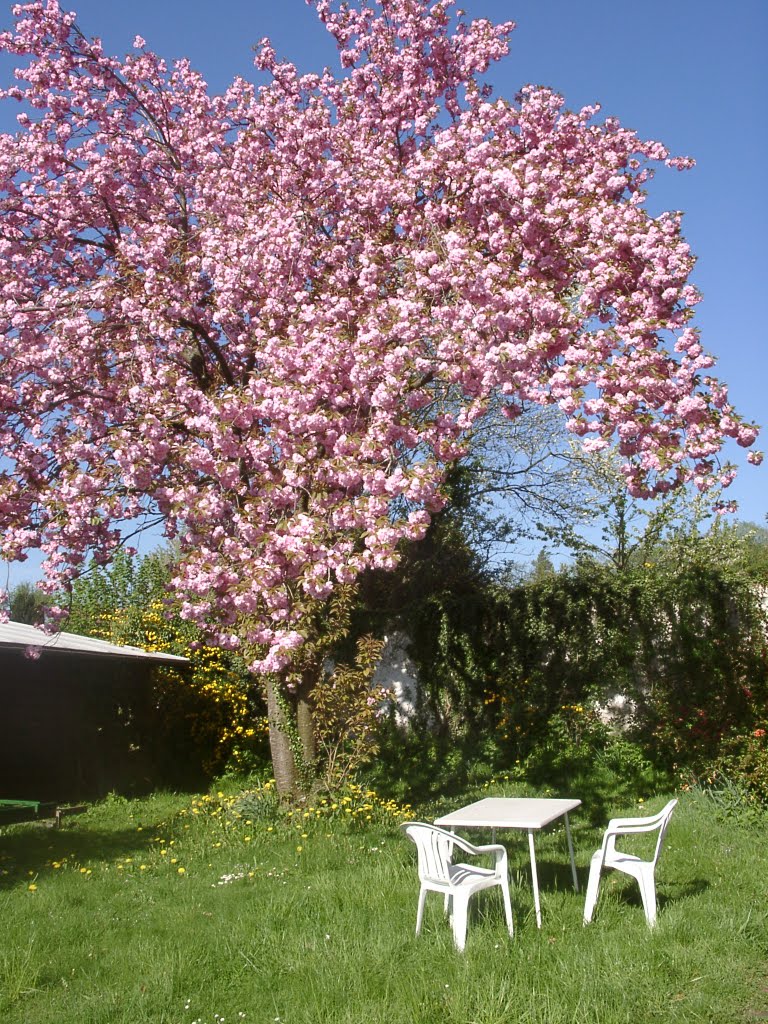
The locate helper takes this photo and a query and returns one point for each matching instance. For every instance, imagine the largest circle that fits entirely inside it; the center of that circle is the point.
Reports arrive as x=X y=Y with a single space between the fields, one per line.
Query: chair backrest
x=664 y=814
x=618 y=827
x=434 y=847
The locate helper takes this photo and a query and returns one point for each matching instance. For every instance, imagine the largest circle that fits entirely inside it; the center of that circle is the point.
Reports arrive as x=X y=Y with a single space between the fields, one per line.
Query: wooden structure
x=73 y=711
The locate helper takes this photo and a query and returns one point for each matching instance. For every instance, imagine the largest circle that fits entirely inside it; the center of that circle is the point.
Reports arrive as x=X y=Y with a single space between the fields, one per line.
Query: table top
x=508 y=812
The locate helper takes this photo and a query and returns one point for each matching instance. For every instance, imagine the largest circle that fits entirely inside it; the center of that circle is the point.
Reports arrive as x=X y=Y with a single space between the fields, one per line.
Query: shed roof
x=19 y=635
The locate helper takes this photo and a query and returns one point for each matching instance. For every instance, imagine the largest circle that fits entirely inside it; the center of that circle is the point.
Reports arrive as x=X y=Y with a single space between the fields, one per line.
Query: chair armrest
x=467 y=847
x=499 y=852
x=489 y=848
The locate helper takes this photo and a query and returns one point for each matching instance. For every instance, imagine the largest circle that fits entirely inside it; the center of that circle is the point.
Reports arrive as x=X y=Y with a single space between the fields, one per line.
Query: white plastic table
x=528 y=814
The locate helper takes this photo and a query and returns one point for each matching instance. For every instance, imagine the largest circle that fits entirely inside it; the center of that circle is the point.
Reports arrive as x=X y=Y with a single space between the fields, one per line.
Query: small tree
x=543 y=566
x=27 y=604
x=755 y=539
x=348 y=707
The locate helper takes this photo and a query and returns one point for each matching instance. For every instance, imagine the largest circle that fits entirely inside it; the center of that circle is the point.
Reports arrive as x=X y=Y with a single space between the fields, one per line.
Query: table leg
x=534 y=879
x=570 y=851
x=447 y=902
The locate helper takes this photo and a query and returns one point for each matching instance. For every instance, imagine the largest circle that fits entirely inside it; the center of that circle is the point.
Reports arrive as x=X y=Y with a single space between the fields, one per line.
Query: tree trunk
x=283 y=763
x=297 y=717
x=305 y=720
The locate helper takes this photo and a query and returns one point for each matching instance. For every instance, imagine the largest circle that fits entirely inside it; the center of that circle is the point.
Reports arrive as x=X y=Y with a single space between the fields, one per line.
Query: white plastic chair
x=643 y=870
x=457 y=882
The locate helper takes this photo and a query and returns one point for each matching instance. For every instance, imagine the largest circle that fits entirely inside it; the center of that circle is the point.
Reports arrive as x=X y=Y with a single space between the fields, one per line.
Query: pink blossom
x=265 y=318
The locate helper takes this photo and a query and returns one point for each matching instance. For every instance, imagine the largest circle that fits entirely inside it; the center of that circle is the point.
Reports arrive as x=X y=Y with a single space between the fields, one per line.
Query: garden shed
x=73 y=715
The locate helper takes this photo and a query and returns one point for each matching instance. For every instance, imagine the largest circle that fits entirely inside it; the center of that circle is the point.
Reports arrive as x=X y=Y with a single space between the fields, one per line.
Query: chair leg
x=459 y=920
x=507 y=906
x=420 y=911
x=593 y=884
x=647 y=884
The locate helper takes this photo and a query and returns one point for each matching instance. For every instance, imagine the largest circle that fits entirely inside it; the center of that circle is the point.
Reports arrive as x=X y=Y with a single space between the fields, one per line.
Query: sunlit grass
x=174 y=910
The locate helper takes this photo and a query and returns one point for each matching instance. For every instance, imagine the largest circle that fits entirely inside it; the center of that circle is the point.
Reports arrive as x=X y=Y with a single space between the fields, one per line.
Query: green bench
x=13 y=812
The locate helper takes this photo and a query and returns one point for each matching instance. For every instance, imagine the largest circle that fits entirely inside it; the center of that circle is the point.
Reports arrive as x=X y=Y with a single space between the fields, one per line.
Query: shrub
x=743 y=762
x=347 y=713
x=206 y=718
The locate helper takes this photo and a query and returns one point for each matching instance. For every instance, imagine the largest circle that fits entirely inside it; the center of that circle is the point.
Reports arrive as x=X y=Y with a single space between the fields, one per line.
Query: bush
x=743 y=762
x=206 y=718
x=682 y=634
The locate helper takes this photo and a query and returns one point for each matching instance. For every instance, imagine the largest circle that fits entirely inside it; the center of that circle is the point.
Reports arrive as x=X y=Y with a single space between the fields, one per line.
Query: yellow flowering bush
x=207 y=716
x=211 y=707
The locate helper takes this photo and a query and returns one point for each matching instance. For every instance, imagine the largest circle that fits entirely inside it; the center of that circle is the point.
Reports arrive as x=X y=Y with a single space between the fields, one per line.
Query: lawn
x=181 y=910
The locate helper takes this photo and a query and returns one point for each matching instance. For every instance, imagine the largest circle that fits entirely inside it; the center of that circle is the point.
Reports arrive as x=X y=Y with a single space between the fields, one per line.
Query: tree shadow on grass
x=554 y=875
x=26 y=850
x=671 y=893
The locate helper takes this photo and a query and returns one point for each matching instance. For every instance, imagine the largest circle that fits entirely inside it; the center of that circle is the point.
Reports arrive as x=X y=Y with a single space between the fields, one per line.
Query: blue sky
x=690 y=73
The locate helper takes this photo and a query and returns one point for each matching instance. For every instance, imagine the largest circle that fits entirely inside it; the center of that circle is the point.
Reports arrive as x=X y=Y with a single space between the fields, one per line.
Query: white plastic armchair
x=643 y=870
x=457 y=882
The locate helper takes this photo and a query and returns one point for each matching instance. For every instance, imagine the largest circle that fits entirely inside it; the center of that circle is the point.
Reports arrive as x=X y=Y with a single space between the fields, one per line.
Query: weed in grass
x=19 y=972
x=731 y=801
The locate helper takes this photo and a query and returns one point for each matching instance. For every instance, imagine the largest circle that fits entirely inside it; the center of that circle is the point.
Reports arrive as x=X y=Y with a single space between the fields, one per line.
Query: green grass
x=319 y=928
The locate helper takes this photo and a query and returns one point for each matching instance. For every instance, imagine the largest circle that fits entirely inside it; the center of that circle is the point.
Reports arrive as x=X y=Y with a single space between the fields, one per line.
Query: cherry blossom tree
x=269 y=319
